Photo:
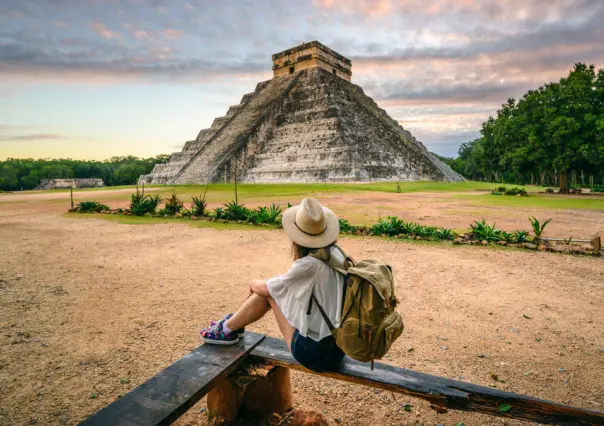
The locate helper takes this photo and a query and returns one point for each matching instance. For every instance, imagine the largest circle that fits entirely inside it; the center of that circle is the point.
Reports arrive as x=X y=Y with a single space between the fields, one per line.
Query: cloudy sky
x=96 y=78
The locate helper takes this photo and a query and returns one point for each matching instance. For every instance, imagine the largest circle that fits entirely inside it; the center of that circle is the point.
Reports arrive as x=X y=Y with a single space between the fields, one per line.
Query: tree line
x=553 y=136
x=19 y=173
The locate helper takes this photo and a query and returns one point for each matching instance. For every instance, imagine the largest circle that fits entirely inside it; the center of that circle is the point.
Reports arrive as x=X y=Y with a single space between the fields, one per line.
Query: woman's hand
x=259 y=287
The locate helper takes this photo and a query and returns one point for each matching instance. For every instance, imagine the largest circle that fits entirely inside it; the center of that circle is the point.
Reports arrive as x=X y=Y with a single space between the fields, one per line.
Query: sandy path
x=86 y=303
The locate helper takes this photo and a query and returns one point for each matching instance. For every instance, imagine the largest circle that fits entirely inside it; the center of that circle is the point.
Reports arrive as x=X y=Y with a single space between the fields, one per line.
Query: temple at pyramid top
x=311 y=55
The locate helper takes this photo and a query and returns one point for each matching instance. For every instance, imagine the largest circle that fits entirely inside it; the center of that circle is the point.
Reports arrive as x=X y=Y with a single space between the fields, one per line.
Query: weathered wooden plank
x=439 y=391
x=167 y=395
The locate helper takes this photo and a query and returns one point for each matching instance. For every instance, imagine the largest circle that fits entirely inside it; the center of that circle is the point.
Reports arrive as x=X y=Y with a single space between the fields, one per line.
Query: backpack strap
x=323 y=314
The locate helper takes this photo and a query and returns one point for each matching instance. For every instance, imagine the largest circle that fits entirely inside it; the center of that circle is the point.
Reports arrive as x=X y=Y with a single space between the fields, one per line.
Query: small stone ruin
x=70 y=183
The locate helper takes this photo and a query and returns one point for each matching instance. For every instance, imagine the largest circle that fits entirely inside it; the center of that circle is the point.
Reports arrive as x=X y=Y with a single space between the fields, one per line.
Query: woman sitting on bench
x=313 y=230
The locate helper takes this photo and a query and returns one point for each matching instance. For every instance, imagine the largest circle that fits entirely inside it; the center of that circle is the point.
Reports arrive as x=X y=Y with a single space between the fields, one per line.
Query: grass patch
x=250 y=192
x=535 y=201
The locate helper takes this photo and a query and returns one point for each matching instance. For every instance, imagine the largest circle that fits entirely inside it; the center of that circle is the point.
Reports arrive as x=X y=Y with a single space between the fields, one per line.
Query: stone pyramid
x=309 y=123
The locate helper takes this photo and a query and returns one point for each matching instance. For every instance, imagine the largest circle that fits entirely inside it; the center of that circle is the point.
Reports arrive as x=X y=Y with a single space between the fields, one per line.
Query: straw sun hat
x=310 y=224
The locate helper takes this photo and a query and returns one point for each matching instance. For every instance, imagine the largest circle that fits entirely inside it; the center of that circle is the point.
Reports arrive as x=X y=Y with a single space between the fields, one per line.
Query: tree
x=128 y=173
x=31 y=180
x=553 y=134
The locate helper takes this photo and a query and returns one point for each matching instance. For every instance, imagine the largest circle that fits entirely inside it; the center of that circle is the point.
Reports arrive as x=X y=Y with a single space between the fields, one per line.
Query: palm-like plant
x=538 y=227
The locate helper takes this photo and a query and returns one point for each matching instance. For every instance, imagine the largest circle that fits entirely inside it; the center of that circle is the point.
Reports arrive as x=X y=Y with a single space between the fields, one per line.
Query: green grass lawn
x=539 y=201
x=266 y=192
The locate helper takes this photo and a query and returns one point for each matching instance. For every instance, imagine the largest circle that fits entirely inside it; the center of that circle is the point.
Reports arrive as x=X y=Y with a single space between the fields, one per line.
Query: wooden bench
x=170 y=393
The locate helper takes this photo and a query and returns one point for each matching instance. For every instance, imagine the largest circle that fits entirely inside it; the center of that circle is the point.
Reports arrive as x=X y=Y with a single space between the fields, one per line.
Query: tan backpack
x=369 y=322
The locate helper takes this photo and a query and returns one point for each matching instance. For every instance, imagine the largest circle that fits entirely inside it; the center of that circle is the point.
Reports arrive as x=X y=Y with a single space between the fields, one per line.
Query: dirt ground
x=89 y=309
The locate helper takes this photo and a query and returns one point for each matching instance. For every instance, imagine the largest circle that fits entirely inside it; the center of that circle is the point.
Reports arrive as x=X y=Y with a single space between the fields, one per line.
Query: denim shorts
x=323 y=355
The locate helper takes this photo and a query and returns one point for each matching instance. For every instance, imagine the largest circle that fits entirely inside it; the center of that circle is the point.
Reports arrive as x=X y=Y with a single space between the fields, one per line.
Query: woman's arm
x=259 y=287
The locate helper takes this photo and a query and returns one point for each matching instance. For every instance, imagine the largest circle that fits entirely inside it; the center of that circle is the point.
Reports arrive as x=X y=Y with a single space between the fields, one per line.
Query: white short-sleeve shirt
x=292 y=290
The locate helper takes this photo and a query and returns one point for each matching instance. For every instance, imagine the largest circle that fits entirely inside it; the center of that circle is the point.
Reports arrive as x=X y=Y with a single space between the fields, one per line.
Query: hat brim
x=327 y=237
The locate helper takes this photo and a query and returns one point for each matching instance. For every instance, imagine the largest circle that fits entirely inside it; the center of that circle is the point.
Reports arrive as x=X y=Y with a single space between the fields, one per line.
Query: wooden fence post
x=596 y=243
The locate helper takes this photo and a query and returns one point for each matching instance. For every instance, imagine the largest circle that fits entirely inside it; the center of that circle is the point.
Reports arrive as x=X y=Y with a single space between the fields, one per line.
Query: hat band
x=308 y=233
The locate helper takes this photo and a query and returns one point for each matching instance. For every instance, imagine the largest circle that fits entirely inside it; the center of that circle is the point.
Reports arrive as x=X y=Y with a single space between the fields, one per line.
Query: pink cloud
x=103 y=31
x=364 y=7
x=172 y=34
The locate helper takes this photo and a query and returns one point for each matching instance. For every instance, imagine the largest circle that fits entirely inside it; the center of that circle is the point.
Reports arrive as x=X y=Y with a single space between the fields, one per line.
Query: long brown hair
x=298 y=251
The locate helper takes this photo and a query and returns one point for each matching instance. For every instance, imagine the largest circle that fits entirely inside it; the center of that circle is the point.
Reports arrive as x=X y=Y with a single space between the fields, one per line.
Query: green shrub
x=482 y=231
x=91 y=206
x=346 y=227
x=141 y=204
x=549 y=190
x=516 y=191
x=503 y=190
x=598 y=188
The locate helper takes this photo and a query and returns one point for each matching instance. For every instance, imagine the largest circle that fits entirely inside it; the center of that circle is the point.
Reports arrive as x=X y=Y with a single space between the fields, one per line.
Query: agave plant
x=507 y=237
x=538 y=227
x=219 y=213
x=154 y=200
x=141 y=204
x=235 y=211
x=383 y=227
x=254 y=216
x=520 y=237
x=91 y=206
x=396 y=225
x=273 y=212
x=173 y=205
x=346 y=226
x=408 y=227
x=199 y=204
x=445 y=234
x=483 y=231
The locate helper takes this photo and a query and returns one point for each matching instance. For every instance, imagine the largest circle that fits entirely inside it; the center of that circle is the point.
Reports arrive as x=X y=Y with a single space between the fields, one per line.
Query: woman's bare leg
x=254 y=308
x=287 y=330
